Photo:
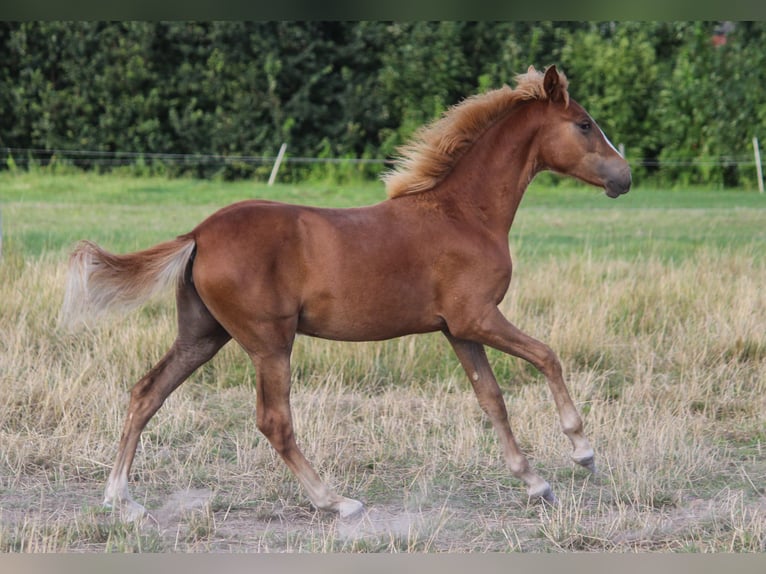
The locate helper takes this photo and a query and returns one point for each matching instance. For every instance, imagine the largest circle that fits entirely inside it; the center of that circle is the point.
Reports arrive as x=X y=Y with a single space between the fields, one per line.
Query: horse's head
x=571 y=143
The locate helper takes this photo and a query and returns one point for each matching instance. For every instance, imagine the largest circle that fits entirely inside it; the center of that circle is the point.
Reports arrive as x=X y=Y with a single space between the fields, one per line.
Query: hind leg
x=269 y=345
x=274 y=420
x=199 y=338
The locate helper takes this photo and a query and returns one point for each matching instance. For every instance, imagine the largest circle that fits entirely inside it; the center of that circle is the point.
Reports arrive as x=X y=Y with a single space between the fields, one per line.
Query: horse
x=431 y=257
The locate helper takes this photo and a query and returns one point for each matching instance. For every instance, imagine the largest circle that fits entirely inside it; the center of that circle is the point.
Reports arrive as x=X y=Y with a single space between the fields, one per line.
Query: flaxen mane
x=434 y=149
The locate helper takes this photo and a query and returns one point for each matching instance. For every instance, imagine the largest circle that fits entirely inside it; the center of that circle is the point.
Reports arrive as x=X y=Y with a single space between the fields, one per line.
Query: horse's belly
x=362 y=317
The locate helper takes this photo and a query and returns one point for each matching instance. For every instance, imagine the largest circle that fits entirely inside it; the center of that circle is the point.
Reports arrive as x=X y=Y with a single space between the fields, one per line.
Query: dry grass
x=666 y=361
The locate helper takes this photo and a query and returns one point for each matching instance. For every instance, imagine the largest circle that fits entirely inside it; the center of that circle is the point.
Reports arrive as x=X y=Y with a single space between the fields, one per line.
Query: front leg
x=474 y=360
x=495 y=330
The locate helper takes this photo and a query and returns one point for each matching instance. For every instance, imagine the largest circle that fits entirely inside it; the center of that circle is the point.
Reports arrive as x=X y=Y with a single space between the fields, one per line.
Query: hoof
x=588 y=462
x=129 y=510
x=350 y=508
x=544 y=493
x=549 y=498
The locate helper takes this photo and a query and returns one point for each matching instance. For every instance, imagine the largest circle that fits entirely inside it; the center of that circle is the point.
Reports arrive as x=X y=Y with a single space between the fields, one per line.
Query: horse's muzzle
x=618 y=183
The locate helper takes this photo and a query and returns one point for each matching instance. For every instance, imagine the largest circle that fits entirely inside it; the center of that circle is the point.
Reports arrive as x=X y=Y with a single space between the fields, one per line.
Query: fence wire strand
x=119 y=158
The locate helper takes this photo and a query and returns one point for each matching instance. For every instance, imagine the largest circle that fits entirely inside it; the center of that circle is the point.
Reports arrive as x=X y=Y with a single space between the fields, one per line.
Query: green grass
x=645 y=222
x=43 y=213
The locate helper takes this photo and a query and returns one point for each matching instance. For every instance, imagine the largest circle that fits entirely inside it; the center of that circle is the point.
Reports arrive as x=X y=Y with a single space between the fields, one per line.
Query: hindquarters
x=248 y=269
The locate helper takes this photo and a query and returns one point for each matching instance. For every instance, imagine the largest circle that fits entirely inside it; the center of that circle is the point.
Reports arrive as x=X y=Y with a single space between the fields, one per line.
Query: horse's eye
x=584 y=125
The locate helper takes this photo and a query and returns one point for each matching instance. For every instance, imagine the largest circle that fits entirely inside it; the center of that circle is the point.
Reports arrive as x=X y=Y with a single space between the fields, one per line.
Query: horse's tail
x=99 y=281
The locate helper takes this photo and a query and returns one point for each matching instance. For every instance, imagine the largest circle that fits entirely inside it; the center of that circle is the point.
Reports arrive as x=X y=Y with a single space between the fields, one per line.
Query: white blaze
x=611 y=145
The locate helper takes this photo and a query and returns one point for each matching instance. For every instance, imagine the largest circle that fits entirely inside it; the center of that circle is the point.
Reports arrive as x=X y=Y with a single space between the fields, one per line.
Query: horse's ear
x=552 y=85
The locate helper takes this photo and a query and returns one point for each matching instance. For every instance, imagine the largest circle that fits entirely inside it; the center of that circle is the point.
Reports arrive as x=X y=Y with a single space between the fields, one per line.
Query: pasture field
x=655 y=303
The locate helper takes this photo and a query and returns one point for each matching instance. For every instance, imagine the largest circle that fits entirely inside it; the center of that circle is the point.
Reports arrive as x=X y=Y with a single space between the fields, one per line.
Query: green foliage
x=712 y=107
x=424 y=69
x=359 y=90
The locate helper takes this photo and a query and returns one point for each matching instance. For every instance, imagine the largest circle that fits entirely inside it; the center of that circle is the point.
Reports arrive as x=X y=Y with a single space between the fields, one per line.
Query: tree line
x=684 y=96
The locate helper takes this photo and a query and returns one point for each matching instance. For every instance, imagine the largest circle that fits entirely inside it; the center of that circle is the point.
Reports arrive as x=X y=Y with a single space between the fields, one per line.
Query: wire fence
x=24 y=157
x=109 y=158
x=115 y=158
x=723 y=161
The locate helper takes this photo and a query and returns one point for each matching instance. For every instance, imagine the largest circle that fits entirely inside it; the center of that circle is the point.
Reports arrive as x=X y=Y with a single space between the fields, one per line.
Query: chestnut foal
x=434 y=256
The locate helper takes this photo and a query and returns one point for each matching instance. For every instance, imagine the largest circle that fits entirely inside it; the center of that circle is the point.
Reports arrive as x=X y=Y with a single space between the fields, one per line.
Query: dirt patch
x=68 y=517
x=178 y=506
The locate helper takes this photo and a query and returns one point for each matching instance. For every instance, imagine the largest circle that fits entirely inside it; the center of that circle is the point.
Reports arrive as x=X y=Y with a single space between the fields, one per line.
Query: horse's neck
x=490 y=179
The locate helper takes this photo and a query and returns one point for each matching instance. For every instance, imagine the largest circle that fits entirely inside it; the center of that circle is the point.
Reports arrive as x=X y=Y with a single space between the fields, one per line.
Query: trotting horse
x=434 y=256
